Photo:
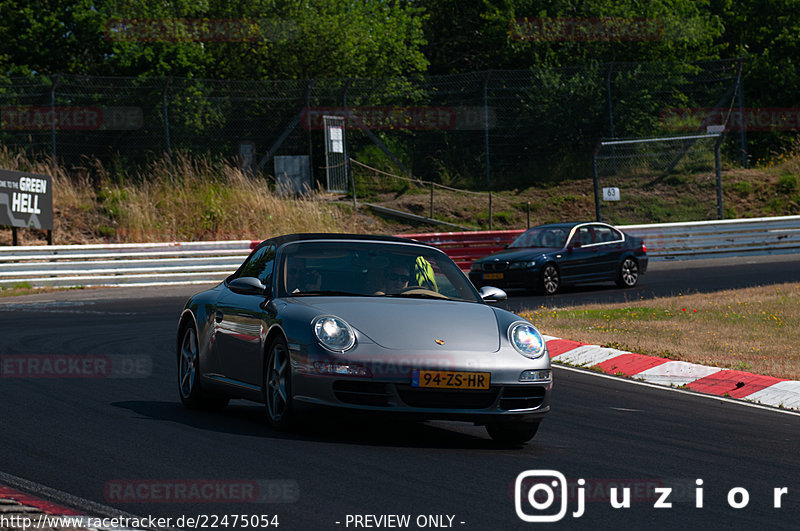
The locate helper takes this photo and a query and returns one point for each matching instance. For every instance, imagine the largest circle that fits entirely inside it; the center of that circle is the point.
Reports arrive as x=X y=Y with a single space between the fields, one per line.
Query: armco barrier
x=145 y=264
x=665 y=241
x=139 y=264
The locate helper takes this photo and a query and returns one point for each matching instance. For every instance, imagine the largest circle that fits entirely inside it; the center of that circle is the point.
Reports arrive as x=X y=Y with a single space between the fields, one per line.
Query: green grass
x=751 y=329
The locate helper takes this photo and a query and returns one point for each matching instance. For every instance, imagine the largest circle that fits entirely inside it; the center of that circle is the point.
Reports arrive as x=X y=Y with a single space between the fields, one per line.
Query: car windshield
x=373 y=269
x=555 y=237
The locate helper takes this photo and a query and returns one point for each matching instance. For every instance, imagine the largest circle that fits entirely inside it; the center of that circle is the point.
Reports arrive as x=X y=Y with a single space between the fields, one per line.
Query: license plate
x=492 y=276
x=450 y=379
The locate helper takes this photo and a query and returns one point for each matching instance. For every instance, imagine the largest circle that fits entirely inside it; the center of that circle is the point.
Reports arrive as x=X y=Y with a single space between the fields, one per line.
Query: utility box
x=293 y=174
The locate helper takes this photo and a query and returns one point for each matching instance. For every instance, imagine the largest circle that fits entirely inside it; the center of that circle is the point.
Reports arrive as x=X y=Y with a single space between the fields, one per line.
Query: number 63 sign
x=610 y=194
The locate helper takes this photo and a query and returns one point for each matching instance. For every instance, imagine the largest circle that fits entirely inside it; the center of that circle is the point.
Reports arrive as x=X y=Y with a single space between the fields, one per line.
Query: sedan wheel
x=278 y=385
x=189 y=387
x=628 y=273
x=550 y=280
x=512 y=432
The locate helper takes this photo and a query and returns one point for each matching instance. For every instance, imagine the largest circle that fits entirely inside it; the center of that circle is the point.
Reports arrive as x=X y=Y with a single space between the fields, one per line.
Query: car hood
x=523 y=253
x=416 y=324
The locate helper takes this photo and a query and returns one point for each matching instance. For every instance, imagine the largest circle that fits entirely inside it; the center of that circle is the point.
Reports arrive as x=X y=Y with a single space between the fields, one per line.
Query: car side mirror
x=492 y=294
x=247 y=286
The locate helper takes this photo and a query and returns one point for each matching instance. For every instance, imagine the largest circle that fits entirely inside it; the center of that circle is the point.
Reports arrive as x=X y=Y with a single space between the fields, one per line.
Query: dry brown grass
x=751 y=329
x=190 y=198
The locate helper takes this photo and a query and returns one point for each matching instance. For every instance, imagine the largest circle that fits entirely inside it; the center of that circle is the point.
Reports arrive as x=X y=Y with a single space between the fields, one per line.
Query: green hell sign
x=26 y=200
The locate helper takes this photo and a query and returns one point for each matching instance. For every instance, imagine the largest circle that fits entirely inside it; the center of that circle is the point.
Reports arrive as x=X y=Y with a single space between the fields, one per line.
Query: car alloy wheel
x=549 y=279
x=189 y=388
x=278 y=385
x=187 y=363
x=628 y=273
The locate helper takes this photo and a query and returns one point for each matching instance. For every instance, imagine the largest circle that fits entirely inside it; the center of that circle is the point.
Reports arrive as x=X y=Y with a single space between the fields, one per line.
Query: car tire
x=512 y=432
x=278 y=385
x=190 y=388
x=549 y=281
x=628 y=274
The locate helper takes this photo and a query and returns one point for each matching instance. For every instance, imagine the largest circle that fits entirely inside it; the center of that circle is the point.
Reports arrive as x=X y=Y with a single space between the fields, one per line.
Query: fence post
x=740 y=103
x=718 y=171
x=431 y=216
x=486 y=133
x=166 y=117
x=596 y=180
x=490 y=210
x=611 y=118
x=56 y=79
x=309 y=88
x=529 y=214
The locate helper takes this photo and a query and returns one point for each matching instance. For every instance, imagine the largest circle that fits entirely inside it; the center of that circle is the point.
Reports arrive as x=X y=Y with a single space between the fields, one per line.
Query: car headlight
x=527 y=340
x=334 y=333
x=475 y=266
x=528 y=264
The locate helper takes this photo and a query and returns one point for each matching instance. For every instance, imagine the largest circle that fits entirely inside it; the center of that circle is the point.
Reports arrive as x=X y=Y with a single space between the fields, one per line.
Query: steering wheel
x=419 y=290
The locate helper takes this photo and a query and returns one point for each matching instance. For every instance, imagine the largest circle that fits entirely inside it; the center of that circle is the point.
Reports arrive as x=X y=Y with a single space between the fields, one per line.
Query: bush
x=787 y=184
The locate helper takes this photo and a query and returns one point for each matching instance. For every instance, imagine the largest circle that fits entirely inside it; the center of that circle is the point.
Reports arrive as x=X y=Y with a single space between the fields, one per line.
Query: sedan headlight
x=476 y=266
x=528 y=264
x=527 y=340
x=334 y=333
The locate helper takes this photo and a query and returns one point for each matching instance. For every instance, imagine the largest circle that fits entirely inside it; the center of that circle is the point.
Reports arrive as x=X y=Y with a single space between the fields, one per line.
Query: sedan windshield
x=553 y=237
x=373 y=269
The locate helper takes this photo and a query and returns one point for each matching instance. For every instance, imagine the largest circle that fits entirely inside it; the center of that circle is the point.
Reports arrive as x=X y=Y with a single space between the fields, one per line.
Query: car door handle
x=218 y=317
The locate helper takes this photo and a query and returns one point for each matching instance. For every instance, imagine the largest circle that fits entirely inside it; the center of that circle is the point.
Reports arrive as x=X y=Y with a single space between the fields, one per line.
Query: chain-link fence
x=479 y=130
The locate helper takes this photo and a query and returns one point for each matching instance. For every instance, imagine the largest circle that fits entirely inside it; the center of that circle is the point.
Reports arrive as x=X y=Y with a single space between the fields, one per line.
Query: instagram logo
x=535 y=494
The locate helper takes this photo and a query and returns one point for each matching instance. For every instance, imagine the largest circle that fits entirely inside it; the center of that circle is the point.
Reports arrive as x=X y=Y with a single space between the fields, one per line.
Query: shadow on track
x=323 y=425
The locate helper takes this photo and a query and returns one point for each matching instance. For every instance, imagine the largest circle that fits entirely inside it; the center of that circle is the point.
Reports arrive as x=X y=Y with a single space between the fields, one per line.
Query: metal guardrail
x=141 y=264
x=711 y=239
x=148 y=264
x=665 y=241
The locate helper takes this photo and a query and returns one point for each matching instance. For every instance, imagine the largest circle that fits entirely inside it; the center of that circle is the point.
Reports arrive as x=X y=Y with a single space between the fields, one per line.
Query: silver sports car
x=365 y=322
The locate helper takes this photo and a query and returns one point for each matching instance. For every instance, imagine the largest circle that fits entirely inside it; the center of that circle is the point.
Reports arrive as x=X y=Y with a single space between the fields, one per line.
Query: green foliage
x=787 y=184
x=742 y=188
x=559 y=112
x=467 y=35
x=675 y=180
x=260 y=39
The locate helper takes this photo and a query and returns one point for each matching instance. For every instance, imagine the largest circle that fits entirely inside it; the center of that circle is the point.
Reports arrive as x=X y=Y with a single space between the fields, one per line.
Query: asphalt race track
x=124 y=441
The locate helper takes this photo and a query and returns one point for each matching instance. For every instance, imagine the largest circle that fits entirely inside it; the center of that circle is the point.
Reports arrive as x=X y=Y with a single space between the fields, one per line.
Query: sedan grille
x=495 y=266
x=527 y=397
x=447 y=399
x=361 y=393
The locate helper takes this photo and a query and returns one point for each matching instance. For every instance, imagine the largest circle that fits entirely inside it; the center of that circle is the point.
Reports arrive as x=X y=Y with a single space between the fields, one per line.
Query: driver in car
x=397 y=278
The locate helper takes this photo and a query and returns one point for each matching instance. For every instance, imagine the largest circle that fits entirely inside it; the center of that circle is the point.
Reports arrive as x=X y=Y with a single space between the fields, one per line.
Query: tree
x=513 y=34
x=218 y=39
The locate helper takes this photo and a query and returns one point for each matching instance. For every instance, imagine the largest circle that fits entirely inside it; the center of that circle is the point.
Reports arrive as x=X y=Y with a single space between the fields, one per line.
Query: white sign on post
x=610 y=194
x=337 y=146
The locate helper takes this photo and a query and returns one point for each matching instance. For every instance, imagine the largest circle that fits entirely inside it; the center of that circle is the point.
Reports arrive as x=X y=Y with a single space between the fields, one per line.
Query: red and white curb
x=765 y=390
x=22 y=508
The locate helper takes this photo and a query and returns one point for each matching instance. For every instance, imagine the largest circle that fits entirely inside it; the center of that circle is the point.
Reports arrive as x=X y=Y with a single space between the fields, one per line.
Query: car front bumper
x=388 y=387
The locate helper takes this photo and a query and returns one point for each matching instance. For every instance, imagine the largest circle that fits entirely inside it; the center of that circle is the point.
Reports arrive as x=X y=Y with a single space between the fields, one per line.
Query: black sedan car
x=546 y=257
